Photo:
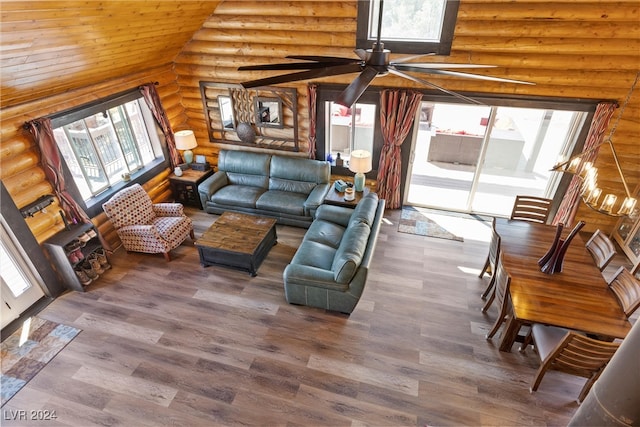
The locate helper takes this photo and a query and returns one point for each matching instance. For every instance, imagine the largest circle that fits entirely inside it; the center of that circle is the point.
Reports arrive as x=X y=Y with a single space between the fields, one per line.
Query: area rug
x=25 y=354
x=421 y=222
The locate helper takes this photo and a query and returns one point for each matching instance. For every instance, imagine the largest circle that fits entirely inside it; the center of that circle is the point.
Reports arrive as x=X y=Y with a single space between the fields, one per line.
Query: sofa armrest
x=336 y=214
x=316 y=197
x=168 y=209
x=209 y=186
x=305 y=275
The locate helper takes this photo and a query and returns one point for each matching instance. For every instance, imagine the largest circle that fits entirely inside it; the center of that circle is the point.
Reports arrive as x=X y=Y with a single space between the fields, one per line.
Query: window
x=103 y=143
x=477 y=158
x=408 y=26
x=526 y=136
x=342 y=130
x=349 y=129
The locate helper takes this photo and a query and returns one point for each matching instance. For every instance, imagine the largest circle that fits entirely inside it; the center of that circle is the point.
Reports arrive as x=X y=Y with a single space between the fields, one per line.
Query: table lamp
x=360 y=163
x=186 y=140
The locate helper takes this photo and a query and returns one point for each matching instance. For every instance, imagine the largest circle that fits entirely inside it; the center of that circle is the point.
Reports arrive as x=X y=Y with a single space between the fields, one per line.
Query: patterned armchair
x=147 y=227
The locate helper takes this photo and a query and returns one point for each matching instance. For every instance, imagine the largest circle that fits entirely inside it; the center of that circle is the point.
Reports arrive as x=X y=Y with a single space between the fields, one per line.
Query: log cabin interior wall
x=58 y=57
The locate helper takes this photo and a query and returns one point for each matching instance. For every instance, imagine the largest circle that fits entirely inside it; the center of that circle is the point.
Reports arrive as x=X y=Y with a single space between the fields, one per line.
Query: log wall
x=22 y=171
x=575 y=49
x=59 y=58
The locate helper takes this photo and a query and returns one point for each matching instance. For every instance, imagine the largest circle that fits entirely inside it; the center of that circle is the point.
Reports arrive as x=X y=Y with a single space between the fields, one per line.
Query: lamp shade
x=185 y=140
x=360 y=161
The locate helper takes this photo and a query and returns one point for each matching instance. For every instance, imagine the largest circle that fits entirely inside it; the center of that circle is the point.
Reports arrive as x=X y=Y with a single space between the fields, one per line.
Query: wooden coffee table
x=237 y=240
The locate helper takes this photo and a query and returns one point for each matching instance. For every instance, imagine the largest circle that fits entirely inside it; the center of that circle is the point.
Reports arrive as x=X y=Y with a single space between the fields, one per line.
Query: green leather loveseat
x=287 y=188
x=329 y=270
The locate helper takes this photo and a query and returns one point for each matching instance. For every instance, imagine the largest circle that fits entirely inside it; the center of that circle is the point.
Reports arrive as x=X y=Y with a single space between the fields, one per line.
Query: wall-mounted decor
x=226 y=112
x=264 y=117
x=268 y=112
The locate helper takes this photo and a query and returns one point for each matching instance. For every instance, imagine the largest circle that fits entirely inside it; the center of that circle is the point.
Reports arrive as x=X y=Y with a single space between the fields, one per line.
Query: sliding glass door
x=472 y=158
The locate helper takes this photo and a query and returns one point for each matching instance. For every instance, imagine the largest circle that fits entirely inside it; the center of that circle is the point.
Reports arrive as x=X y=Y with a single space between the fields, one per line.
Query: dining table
x=578 y=297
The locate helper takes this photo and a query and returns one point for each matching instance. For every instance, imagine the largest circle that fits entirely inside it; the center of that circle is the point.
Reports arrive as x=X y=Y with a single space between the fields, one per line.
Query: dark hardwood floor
x=177 y=344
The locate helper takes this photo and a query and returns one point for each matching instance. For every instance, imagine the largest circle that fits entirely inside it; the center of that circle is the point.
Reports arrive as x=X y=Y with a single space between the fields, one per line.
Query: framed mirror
x=268 y=112
x=226 y=112
x=233 y=114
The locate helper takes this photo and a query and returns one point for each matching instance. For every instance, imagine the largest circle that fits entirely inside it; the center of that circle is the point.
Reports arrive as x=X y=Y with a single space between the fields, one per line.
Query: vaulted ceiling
x=51 y=47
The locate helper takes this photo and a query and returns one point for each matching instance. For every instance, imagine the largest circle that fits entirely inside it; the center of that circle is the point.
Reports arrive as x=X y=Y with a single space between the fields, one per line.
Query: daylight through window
x=408 y=26
x=102 y=147
x=415 y=20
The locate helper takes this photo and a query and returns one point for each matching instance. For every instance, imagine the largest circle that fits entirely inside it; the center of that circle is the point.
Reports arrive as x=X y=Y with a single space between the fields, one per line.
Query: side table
x=334 y=197
x=185 y=187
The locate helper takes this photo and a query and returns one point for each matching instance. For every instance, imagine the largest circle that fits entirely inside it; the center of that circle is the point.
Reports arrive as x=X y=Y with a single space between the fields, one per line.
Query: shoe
x=84 y=238
x=91 y=233
x=102 y=258
x=73 y=245
x=82 y=276
x=95 y=264
x=88 y=269
x=73 y=257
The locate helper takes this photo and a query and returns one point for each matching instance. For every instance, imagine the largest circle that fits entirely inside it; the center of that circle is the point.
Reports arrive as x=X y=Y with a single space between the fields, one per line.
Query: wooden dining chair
x=501 y=295
x=627 y=290
x=492 y=257
x=570 y=352
x=601 y=248
x=531 y=208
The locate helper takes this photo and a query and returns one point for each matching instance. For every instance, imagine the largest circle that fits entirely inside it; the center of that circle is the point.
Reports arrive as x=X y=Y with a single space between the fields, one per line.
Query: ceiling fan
x=371 y=63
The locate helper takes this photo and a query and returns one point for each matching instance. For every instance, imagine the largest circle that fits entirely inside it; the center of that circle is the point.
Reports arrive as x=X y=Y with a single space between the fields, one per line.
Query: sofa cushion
x=349 y=255
x=314 y=254
x=325 y=232
x=245 y=167
x=300 y=170
x=238 y=195
x=278 y=184
x=365 y=211
x=282 y=201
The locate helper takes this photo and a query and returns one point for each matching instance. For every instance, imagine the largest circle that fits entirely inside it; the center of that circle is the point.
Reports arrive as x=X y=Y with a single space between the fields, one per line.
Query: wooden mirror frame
x=245 y=104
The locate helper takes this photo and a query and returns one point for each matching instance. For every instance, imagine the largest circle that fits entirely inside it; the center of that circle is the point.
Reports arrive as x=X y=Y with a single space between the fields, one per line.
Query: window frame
x=372 y=96
x=443 y=47
x=93 y=205
x=329 y=93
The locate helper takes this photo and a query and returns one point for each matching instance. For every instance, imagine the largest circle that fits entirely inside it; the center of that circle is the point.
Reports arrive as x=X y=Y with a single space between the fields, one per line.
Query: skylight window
x=408 y=26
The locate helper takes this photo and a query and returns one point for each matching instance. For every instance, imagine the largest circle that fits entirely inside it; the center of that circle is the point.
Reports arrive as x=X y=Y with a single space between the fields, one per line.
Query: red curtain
x=42 y=134
x=153 y=101
x=397 y=114
x=569 y=205
x=312 y=96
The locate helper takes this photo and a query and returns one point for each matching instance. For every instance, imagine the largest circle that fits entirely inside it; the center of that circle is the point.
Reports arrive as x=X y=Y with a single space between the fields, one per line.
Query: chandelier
x=590 y=192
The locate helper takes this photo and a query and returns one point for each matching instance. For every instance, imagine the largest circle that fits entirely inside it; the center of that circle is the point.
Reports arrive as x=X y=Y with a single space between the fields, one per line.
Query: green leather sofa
x=287 y=188
x=329 y=270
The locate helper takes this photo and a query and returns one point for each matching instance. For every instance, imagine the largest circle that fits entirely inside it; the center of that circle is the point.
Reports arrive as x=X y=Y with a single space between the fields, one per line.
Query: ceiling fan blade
x=470 y=76
x=362 y=54
x=435 y=86
x=409 y=58
x=350 y=95
x=421 y=66
x=304 y=75
x=321 y=58
x=291 y=66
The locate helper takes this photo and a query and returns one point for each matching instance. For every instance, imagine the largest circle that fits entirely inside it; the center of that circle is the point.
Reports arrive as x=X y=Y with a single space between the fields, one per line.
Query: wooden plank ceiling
x=51 y=47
